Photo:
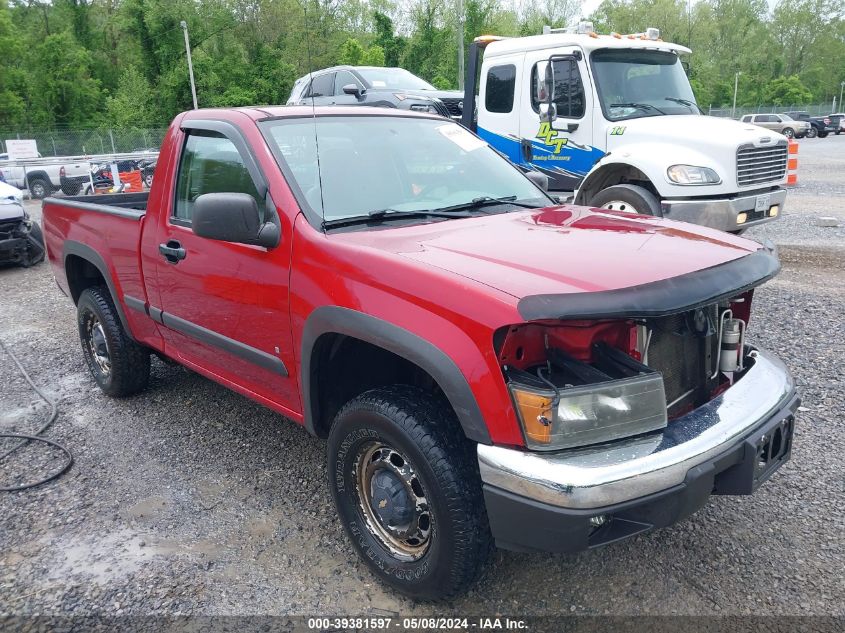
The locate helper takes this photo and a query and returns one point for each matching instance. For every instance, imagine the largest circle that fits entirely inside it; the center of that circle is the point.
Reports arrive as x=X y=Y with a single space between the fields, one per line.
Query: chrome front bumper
x=613 y=473
x=722 y=213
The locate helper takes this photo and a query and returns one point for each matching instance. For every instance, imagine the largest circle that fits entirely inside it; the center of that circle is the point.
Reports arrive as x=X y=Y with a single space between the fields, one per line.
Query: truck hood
x=11 y=210
x=696 y=131
x=559 y=250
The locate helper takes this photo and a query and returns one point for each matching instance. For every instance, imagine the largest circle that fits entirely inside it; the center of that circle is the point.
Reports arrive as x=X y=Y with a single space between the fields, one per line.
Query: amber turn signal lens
x=536 y=412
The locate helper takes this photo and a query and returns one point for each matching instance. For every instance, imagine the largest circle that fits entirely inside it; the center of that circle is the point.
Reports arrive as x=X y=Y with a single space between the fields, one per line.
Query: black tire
x=629 y=198
x=128 y=369
x=424 y=432
x=823 y=134
x=35 y=250
x=71 y=188
x=812 y=133
x=838 y=132
x=148 y=178
x=788 y=132
x=39 y=188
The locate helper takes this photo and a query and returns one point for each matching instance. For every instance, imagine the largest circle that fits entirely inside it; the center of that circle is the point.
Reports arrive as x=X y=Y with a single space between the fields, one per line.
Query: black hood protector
x=657 y=298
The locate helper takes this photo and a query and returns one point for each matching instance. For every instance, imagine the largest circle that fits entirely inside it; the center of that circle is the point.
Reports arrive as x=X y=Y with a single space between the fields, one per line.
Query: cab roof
x=588 y=43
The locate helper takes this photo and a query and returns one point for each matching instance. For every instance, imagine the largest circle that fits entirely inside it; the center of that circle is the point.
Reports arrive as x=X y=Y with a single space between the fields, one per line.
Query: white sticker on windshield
x=461 y=137
x=378 y=83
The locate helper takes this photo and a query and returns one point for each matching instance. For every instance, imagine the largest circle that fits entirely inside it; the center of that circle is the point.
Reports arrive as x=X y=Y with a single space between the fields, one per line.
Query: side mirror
x=548 y=112
x=539 y=179
x=233 y=217
x=353 y=89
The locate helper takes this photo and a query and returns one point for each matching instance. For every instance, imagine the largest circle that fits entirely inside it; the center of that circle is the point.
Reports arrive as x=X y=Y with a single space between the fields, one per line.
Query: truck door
x=224 y=305
x=563 y=148
x=498 y=110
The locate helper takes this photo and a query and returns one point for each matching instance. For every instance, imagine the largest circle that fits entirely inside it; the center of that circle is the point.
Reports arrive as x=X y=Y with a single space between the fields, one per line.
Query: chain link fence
x=88 y=141
x=728 y=111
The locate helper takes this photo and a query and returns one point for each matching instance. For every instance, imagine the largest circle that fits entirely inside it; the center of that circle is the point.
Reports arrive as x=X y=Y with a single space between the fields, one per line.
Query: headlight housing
x=423 y=107
x=590 y=414
x=692 y=175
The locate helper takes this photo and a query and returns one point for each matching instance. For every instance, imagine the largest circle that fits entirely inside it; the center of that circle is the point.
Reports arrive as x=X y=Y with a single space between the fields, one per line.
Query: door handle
x=172 y=251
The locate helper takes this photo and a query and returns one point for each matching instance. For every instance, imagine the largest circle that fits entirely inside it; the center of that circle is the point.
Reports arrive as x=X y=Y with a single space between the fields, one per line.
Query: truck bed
x=133 y=204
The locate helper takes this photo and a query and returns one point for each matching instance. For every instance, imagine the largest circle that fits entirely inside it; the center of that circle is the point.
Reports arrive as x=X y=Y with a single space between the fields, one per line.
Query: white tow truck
x=613 y=119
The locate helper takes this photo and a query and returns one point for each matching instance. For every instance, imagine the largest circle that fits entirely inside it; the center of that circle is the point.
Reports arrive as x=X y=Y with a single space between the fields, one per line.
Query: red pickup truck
x=487 y=365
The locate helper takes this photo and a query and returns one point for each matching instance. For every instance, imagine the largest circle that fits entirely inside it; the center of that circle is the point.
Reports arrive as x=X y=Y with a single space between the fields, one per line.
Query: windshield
x=394 y=163
x=637 y=83
x=786 y=117
x=394 y=79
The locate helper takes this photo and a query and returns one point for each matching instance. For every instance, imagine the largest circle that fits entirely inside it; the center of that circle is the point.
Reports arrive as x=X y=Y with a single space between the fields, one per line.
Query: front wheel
x=788 y=132
x=120 y=366
x=823 y=134
x=627 y=198
x=812 y=133
x=406 y=486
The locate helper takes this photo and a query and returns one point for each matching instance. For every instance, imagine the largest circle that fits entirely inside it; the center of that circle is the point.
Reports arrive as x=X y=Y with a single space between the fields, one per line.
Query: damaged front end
x=616 y=364
x=21 y=240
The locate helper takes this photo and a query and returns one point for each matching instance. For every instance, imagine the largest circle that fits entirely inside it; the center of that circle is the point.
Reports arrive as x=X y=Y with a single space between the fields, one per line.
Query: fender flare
x=337 y=320
x=87 y=253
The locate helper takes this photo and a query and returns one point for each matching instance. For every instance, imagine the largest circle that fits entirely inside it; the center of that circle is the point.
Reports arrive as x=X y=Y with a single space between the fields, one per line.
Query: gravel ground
x=191 y=499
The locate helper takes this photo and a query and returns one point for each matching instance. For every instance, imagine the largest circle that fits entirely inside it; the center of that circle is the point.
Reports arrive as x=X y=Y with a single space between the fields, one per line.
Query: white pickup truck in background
x=613 y=119
x=45 y=176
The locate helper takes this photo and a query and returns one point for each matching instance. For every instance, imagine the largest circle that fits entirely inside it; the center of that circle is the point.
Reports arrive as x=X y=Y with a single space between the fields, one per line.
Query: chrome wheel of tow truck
x=620 y=205
x=393 y=501
x=627 y=198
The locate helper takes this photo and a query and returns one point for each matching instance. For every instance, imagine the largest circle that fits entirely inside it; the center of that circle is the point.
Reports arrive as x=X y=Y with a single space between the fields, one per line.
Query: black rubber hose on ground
x=54 y=412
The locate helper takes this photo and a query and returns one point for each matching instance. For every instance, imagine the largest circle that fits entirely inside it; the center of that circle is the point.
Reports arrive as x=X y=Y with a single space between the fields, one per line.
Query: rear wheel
x=627 y=198
x=406 y=486
x=39 y=188
x=812 y=133
x=788 y=132
x=120 y=366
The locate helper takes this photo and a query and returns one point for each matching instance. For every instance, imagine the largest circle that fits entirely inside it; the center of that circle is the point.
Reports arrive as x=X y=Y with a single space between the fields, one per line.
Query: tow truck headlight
x=692 y=175
x=590 y=414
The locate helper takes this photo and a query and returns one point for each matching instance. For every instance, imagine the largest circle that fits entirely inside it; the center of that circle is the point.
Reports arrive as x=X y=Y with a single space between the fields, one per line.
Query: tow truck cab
x=613 y=119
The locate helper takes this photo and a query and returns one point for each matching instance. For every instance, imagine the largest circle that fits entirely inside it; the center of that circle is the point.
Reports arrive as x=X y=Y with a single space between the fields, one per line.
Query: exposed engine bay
x=582 y=382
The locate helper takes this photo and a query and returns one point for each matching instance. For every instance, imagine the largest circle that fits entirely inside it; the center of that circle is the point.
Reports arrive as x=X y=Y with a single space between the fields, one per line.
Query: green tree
x=391 y=44
x=786 y=91
x=131 y=105
x=374 y=56
x=351 y=52
x=63 y=88
x=12 y=77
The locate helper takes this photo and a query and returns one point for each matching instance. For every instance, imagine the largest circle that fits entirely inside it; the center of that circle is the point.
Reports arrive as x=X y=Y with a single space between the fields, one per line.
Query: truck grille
x=758 y=165
x=453 y=105
x=684 y=357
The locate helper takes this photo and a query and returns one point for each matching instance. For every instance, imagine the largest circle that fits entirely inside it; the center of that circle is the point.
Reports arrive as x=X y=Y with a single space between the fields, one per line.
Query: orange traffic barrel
x=792 y=164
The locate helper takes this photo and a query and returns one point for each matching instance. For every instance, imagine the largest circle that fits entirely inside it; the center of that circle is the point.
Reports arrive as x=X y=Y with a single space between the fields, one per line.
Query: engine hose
x=54 y=412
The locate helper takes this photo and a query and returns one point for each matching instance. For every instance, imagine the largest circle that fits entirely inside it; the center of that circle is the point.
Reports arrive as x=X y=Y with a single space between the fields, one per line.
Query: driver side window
x=210 y=163
x=569 y=99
